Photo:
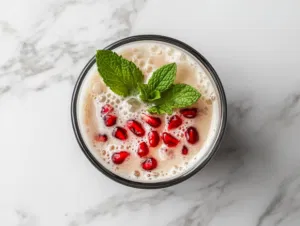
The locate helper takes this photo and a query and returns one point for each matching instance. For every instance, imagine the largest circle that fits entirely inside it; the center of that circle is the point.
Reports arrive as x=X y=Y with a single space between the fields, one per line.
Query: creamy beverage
x=144 y=147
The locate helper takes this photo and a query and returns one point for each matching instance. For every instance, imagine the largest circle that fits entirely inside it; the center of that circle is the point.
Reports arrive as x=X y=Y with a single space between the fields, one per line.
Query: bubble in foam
x=142 y=63
x=171 y=52
x=154 y=48
x=137 y=173
x=149 y=69
x=150 y=61
x=102 y=98
x=182 y=57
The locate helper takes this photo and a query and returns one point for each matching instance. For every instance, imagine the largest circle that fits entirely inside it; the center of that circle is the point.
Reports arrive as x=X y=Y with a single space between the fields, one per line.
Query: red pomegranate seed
x=101 y=138
x=149 y=164
x=136 y=128
x=119 y=157
x=169 y=140
x=174 y=122
x=184 y=150
x=153 y=138
x=106 y=109
x=152 y=121
x=143 y=149
x=110 y=120
x=189 y=112
x=120 y=133
x=191 y=135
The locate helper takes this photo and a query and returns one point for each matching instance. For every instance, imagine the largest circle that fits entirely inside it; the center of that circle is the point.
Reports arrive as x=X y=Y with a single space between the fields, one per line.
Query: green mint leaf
x=146 y=95
x=120 y=75
x=163 y=78
x=155 y=95
x=143 y=89
x=160 y=110
x=178 y=96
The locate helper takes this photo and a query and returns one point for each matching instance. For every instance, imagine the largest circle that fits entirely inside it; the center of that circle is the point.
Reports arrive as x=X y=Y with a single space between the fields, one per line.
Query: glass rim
x=172 y=181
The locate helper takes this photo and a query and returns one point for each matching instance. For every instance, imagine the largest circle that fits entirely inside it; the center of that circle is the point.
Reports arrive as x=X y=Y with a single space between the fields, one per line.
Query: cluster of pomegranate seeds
x=174 y=122
x=143 y=149
x=136 y=127
x=151 y=120
x=191 y=135
x=149 y=164
x=119 y=157
x=110 y=120
x=153 y=138
x=184 y=150
x=189 y=112
x=169 y=140
x=120 y=133
x=101 y=138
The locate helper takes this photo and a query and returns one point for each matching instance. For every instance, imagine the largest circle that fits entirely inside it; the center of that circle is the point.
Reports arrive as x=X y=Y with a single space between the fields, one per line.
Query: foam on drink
x=149 y=56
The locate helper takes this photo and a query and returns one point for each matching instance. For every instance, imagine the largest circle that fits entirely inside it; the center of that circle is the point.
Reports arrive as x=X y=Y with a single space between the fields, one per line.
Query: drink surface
x=171 y=161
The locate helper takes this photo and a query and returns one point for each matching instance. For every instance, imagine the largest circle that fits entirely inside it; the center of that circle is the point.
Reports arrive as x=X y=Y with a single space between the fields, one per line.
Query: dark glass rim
x=111 y=175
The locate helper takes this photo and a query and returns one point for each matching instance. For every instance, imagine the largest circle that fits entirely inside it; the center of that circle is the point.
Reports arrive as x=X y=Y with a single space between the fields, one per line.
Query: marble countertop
x=46 y=180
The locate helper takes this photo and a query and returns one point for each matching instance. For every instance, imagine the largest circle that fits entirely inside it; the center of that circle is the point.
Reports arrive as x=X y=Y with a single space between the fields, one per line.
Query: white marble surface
x=45 y=179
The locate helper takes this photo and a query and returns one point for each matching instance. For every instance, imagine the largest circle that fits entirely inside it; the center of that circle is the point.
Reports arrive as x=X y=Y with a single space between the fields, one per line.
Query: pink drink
x=193 y=130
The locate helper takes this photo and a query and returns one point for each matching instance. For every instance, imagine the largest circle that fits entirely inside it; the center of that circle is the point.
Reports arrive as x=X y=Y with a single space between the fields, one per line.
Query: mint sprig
x=178 y=96
x=124 y=78
x=159 y=82
x=119 y=74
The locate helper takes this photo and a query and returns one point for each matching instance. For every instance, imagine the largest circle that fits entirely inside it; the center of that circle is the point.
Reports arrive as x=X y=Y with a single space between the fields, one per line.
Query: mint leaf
x=178 y=96
x=163 y=78
x=160 y=110
x=143 y=89
x=146 y=95
x=155 y=95
x=120 y=75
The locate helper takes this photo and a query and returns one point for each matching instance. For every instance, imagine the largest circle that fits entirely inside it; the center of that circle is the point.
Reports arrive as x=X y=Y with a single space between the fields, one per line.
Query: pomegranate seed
x=143 y=149
x=149 y=164
x=189 y=112
x=169 y=140
x=101 y=138
x=110 y=120
x=184 y=150
x=119 y=157
x=174 y=122
x=136 y=128
x=153 y=138
x=152 y=121
x=120 y=133
x=106 y=109
x=191 y=135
